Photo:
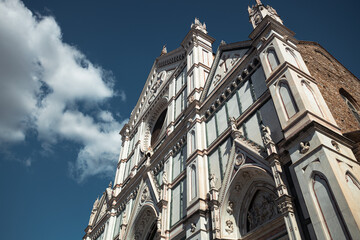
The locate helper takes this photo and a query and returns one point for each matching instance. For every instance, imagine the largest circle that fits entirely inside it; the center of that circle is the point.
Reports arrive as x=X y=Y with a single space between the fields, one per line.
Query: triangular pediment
x=164 y=69
x=100 y=207
x=227 y=59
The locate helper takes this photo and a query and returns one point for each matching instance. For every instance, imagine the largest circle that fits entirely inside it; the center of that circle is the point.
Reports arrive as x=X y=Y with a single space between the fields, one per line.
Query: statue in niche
x=261 y=210
x=212 y=179
x=304 y=147
x=266 y=135
x=230 y=208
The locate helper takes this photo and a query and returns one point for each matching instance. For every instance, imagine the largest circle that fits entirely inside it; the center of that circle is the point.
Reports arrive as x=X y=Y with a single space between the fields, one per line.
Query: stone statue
x=109 y=191
x=236 y=133
x=266 y=135
x=230 y=208
x=229 y=226
x=232 y=121
x=212 y=181
x=192 y=227
x=240 y=159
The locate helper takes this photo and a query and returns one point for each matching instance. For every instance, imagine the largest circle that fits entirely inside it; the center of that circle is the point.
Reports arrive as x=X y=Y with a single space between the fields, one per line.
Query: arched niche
x=155 y=124
x=251 y=184
x=351 y=103
x=144 y=226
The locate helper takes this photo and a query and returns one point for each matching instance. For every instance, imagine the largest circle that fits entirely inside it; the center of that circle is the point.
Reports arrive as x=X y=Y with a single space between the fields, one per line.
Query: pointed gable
x=162 y=71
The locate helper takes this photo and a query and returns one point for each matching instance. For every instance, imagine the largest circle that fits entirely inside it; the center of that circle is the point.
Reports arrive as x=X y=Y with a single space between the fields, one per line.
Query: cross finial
x=258 y=2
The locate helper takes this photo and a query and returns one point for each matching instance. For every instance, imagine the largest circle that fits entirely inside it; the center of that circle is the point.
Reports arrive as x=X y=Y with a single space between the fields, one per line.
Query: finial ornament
x=258 y=12
x=164 y=50
x=198 y=25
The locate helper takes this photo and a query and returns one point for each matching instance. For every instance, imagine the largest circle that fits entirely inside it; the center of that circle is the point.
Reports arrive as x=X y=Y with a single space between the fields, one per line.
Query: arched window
x=192 y=141
x=351 y=103
x=293 y=59
x=193 y=182
x=329 y=210
x=158 y=127
x=272 y=59
x=287 y=100
x=311 y=97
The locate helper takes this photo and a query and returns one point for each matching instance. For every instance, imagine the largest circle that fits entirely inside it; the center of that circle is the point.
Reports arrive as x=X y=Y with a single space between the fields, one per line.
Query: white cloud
x=42 y=80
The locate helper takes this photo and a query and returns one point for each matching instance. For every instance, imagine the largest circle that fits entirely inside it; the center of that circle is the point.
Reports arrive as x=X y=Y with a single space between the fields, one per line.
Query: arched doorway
x=249 y=207
x=144 y=227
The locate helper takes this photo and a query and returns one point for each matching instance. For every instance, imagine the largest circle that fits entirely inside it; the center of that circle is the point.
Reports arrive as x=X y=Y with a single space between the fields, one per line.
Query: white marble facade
x=236 y=145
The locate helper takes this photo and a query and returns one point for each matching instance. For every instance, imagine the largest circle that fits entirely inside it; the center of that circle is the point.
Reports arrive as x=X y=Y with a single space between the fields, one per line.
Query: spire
x=164 y=50
x=258 y=12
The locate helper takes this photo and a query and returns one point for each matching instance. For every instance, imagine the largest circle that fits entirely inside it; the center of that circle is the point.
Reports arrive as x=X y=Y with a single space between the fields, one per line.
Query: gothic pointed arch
x=155 y=124
x=309 y=92
x=328 y=207
x=272 y=58
x=287 y=99
x=249 y=204
x=144 y=225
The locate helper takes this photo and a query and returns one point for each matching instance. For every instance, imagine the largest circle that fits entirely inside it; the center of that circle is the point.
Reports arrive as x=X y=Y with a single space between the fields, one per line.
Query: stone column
x=163 y=207
x=123 y=225
x=213 y=198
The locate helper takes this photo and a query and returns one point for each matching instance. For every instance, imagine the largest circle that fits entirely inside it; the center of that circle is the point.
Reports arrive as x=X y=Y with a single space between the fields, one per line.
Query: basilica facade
x=260 y=140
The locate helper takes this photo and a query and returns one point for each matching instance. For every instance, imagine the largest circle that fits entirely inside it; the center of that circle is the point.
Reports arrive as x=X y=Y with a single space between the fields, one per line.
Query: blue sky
x=70 y=74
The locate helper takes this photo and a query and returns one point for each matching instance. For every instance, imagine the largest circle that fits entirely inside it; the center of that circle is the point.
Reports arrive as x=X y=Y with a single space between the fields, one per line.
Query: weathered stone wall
x=331 y=76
